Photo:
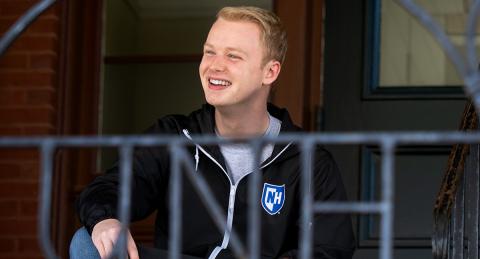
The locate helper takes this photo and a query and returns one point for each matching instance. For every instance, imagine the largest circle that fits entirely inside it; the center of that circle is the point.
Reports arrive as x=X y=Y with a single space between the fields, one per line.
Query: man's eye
x=232 y=56
x=209 y=52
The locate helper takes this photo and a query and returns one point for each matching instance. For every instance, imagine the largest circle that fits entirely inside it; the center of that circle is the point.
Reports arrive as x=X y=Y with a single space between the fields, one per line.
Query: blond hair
x=273 y=33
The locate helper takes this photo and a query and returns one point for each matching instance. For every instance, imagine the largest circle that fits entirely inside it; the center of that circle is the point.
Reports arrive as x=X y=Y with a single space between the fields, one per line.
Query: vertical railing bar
x=471 y=201
x=19 y=26
x=458 y=222
x=175 y=203
x=45 y=200
x=207 y=197
x=474 y=179
x=254 y=205
x=305 y=240
x=125 y=158
x=388 y=163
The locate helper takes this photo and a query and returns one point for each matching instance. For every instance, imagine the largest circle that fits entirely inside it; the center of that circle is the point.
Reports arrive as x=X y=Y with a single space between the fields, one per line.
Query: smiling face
x=231 y=70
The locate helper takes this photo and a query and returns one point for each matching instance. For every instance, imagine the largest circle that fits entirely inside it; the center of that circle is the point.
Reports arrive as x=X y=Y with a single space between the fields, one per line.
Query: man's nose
x=218 y=64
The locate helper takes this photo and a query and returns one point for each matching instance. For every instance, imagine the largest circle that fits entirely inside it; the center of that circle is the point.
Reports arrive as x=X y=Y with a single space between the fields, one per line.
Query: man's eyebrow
x=228 y=48
x=207 y=45
x=238 y=50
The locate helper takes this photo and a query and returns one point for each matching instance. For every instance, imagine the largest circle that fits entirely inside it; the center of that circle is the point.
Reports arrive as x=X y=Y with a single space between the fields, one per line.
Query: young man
x=242 y=57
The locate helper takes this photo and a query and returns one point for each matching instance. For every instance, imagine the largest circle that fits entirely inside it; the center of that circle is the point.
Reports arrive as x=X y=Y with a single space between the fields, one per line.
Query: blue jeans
x=82 y=247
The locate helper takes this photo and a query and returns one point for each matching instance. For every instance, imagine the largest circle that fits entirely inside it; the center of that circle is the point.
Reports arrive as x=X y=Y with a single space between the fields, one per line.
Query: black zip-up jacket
x=280 y=195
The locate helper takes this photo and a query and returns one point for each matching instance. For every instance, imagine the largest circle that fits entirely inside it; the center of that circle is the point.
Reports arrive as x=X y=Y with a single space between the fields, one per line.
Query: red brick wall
x=28 y=87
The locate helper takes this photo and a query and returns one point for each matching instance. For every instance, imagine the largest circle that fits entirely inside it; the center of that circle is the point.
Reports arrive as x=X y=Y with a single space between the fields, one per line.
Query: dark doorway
x=358 y=97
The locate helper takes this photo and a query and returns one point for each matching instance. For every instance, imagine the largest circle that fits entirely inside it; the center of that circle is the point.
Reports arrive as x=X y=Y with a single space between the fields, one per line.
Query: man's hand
x=105 y=234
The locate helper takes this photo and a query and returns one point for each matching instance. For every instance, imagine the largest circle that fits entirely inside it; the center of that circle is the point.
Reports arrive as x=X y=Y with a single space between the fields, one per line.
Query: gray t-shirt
x=240 y=158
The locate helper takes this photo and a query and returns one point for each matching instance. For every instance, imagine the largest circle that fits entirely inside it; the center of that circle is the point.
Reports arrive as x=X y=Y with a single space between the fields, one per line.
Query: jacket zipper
x=231 y=198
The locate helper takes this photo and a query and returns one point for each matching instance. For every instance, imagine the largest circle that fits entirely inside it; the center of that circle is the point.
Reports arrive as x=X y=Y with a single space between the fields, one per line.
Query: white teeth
x=219 y=82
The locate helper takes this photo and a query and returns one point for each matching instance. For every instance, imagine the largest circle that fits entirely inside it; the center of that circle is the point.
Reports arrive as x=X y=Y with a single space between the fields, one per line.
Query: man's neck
x=241 y=123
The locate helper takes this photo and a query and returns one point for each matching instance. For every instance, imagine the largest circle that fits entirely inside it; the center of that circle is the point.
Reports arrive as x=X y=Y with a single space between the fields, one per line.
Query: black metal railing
x=388 y=142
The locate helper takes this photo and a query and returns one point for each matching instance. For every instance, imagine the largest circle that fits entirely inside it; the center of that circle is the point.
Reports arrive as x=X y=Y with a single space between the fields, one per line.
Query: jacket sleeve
x=98 y=201
x=332 y=233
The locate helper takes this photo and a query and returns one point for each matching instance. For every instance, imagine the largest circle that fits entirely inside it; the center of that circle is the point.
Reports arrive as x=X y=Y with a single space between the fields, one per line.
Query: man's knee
x=82 y=247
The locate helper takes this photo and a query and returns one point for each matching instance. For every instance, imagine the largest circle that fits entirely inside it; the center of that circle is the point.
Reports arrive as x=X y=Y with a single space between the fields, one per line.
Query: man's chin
x=219 y=104
x=215 y=100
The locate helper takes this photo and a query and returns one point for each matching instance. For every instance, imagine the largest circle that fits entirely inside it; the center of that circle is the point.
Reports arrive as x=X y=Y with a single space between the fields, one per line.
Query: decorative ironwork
x=386 y=141
x=467 y=68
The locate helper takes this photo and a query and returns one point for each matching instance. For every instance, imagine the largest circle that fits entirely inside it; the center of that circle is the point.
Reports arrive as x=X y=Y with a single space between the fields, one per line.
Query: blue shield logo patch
x=273 y=197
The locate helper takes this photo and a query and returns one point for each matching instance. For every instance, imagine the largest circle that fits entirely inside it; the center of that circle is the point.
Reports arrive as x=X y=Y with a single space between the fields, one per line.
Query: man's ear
x=272 y=70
